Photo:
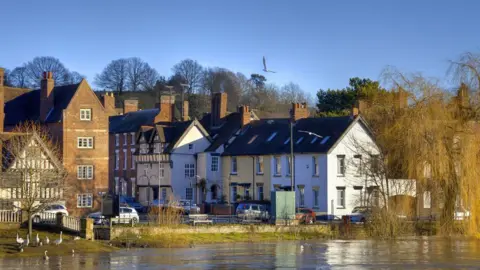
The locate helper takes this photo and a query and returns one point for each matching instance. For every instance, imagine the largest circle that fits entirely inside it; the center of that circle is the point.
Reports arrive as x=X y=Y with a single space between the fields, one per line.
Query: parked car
x=360 y=214
x=127 y=215
x=305 y=215
x=98 y=218
x=50 y=212
x=252 y=211
x=131 y=202
x=188 y=207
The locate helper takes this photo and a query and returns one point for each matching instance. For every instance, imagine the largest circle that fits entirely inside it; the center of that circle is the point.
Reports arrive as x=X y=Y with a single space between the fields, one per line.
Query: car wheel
x=362 y=220
x=36 y=219
x=134 y=220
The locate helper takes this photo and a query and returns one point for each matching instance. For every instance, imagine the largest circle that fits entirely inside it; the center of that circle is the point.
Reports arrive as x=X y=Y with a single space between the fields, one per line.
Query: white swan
x=47 y=241
x=45 y=256
x=20 y=240
x=37 y=240
x=27 y=241
x=59 y=241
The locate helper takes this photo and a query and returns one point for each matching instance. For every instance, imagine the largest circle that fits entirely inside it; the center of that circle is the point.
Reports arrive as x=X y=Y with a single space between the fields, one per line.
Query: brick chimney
x=244 y=115
x=219 y=108
x=130 y=105
x=299 y=111
x=2 y=99
x=185 y=116
x=166 y=106
x=46 y=95
x=108 y=102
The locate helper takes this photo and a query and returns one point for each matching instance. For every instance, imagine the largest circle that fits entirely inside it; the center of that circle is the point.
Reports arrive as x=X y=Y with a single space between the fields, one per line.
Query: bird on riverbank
x=27 y=241
x=76 y=238
x=45 y=256
x=20 y=241
x=37 y=240
x=60 y=240
x=47 y=241
x=41 y=243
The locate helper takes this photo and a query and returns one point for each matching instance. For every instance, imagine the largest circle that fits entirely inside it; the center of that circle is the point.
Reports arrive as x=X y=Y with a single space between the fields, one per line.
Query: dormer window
x=252 y=139
x=287 y=140
x=272 y=136
x=86 y=114
x=325 y=140
x=314 y=139
x=299 y=140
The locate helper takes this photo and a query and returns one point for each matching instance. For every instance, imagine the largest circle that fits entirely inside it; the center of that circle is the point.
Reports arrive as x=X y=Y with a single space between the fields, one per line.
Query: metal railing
x=10 y=217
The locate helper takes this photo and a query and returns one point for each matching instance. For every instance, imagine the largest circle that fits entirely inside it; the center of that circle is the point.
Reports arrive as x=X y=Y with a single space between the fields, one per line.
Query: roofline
x=84 y=81
x=196 y=123
x=357 y=119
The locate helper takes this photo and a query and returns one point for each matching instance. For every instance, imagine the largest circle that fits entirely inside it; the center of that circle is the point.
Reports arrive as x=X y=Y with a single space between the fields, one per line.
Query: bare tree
x=150 y=78
x=192 y=72
x=34 y=174
x=136 y=69
x=36 y=67
x=19 y=77
x=114 y=76
x=292 y=92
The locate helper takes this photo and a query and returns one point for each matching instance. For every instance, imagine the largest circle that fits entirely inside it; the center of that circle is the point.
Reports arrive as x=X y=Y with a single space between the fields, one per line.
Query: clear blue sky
x=313 y=43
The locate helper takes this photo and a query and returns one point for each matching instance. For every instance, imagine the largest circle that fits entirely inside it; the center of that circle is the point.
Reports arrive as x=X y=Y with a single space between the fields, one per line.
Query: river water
x=423 y=253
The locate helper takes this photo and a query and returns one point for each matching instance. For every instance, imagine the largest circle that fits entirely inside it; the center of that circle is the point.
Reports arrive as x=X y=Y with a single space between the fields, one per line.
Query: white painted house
x=166 y=161
x=31 y=173
x=328 y=177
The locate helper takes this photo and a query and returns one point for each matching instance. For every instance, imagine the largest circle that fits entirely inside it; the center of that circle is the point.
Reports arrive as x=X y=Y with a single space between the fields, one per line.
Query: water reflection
x=420 y=253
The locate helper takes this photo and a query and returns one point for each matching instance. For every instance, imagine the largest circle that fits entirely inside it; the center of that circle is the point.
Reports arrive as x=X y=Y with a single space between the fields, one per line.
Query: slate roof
x=26 y=107
x=252 y=139
x=221 y=134
x=132 y=121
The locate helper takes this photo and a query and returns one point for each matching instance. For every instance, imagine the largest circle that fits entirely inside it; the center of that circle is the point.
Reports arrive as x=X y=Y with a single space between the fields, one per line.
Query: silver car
x=252 y=211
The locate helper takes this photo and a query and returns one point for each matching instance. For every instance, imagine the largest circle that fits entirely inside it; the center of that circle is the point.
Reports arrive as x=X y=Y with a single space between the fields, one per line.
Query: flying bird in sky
x=265 y=66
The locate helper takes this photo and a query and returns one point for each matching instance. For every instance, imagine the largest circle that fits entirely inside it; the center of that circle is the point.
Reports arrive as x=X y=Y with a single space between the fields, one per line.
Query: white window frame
x=125 y=159
x=214 y=163
x=189 y=170
x=341 y=197
x=117 y=183
x=161 y=170
x=86 y=114
x=85 y=200
x=233 y=165
x=427 y=199
x=316 y=192
x=259 y=164
x=189 y=193
x=117 y=139
x=85 y=172
x=301 y=191
x=117 y=160
x=277 y=165
x=85 y=142
x=260 y=191
x=315 y=168
x=125 y=138
x=132 y=150
x=234 y=192
x=132 y=134
x=191 y=147
x=341 y=169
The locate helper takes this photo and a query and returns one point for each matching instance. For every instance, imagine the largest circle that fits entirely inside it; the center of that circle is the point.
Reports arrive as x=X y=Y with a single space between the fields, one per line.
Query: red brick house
x=78 y=121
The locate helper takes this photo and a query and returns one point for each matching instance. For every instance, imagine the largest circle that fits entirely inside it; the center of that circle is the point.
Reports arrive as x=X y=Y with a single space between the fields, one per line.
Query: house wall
x=246 y=174
x=97 y=128
x=346 y=146
x=214 y=178
x=126 y=146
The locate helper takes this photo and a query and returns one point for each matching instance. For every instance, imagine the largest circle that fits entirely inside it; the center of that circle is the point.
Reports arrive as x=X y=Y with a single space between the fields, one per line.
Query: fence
x=71 y=223
x=10 y=217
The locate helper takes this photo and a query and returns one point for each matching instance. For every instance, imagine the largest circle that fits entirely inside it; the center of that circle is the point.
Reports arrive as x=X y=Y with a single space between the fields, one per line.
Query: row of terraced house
x=154 y=154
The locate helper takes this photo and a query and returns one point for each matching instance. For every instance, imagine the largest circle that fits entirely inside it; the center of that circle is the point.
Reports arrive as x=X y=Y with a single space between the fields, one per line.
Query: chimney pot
x=299 y=111
x=166 y=108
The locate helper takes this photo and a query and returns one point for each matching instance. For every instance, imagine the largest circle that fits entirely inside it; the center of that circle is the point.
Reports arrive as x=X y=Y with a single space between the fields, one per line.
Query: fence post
x=86 y=228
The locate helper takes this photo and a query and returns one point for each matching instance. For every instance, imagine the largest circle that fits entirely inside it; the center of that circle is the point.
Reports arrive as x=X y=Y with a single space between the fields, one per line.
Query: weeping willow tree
x=432 y=135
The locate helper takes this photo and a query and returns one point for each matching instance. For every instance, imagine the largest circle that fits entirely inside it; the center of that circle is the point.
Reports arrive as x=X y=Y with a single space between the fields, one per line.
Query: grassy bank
x=184 y=237
x=9 y=246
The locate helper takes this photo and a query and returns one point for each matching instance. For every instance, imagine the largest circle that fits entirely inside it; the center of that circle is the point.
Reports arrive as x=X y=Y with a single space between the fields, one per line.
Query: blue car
x=130 y=202
x=360 y=214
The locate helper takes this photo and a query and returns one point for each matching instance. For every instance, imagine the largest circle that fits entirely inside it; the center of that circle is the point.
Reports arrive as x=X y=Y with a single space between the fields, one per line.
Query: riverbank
x=10 y=248
x=187 y=236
